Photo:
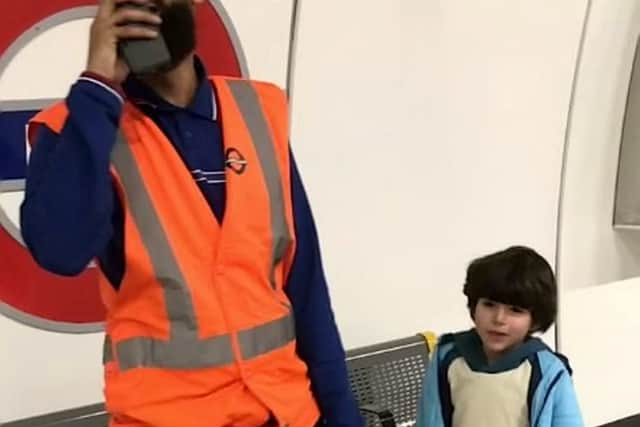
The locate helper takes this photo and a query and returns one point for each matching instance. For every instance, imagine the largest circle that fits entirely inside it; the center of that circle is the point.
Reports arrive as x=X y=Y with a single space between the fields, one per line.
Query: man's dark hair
x=516 y=276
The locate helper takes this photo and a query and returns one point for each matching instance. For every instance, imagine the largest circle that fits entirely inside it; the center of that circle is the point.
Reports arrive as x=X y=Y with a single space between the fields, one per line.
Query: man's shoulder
x=53 y=116
x=263 y=84
x=271 y=94
x=273 y=98
x=56 y=108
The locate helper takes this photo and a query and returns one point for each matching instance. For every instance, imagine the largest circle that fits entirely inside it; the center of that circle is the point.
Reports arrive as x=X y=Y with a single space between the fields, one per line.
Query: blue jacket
x=552 y=399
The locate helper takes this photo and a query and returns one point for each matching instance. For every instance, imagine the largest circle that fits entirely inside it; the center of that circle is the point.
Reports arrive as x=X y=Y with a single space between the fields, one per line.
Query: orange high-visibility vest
x=201 y=332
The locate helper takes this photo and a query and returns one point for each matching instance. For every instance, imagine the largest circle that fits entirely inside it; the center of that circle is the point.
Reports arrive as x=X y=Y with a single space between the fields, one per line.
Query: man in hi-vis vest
x=183 y=188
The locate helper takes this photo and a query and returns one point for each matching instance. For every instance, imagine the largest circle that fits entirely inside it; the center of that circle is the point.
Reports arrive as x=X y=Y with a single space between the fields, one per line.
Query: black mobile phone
x=144 y=56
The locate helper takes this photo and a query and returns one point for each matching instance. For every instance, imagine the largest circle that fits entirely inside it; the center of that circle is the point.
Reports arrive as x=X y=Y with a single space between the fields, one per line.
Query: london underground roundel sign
x=28 y=293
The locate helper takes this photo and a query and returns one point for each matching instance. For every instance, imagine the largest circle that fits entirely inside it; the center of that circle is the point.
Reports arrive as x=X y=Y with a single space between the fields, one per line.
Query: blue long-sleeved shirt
x=71 y=213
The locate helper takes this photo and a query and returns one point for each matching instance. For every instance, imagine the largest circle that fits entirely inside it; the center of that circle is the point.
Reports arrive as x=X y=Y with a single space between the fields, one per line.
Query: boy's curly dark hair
x=517 y=276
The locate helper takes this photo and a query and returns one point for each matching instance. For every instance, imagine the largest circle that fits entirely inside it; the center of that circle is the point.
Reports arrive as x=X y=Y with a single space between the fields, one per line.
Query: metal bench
x=84 y=416
x=387 y=378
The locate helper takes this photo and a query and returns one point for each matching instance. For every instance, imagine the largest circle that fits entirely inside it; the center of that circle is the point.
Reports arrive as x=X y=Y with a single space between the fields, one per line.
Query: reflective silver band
x=107 y=351
x=179 y=353
x=207 y=353
x=176 y=292
x=248 y=102
x=268 y=337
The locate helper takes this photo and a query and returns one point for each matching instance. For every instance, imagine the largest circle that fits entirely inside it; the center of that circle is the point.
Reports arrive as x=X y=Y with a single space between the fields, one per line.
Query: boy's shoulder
x=447 y=338
x=450 y=343
x=550 y=358
x=452 y=337
x=447 y=341
x=456 y=344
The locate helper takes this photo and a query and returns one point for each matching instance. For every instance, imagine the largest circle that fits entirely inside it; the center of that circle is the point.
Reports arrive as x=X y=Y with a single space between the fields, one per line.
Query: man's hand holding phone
x=117 y=21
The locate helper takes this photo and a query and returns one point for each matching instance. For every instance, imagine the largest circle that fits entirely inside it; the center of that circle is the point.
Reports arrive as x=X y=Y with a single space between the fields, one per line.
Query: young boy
x=496 y=374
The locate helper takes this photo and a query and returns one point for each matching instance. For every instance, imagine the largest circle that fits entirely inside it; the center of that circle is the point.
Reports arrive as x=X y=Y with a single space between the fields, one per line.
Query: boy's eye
x=518 y=310
x=488 y=303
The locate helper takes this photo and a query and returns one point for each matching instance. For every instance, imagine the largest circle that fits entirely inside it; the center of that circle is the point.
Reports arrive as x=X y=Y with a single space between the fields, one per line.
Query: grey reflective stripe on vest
x=183 y=349
x=178 y=353
x=107 y=351
x=210 y=352
x=265 y=338
x=176 y=293
x=247 y=100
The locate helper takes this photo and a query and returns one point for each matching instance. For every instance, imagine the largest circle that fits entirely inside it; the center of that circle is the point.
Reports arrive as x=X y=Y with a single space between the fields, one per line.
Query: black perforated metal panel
x=390 y=376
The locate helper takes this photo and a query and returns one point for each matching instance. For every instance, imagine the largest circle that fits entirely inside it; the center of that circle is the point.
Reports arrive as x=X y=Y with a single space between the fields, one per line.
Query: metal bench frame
x=386 y=379
x=374 y=372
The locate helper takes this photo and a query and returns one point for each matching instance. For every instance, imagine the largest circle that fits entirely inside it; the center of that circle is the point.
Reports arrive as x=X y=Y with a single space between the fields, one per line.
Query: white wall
x=600 y=332
x=592 y=252
x=599 y=320
x=428 y=133
x=44 y=371
x=264 y=28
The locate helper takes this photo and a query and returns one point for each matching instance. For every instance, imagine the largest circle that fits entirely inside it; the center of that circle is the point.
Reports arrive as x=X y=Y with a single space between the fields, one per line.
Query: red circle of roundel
x=24 y=286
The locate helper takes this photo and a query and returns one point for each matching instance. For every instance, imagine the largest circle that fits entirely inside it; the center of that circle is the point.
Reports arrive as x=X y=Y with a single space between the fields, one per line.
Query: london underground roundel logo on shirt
x=28 y=293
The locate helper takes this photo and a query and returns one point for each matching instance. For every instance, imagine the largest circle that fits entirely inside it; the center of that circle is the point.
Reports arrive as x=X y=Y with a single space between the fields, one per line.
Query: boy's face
x=501 y=327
